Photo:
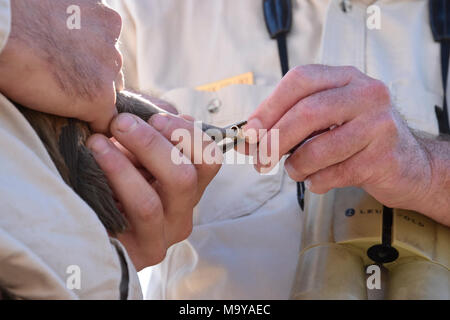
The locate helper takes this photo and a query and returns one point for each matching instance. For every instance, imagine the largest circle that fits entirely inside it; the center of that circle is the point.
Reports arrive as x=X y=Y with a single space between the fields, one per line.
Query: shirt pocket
x=237 y=190
x=417 y=105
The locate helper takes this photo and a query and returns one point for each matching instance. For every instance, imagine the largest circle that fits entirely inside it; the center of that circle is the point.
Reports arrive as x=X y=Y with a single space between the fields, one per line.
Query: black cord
x=283 y=54
x=384 y=252
x=439 y=11
x=284 y=62
x=442 y=114
x=278 y=18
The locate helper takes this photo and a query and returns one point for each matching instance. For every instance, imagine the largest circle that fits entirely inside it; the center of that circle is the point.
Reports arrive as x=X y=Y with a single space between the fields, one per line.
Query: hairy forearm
x=436 y=202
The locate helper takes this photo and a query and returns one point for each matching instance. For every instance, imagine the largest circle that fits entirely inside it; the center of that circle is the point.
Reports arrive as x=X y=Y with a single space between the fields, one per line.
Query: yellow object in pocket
x=245 y=78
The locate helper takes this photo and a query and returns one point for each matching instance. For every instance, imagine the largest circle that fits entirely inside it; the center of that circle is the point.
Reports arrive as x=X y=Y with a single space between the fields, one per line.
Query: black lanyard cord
x=440 y=27
x=278 y=17
x=282 y=52
x=442 y=114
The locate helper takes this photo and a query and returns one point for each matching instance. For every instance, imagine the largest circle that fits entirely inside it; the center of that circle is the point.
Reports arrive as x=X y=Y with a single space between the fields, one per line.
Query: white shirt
x=248 y=227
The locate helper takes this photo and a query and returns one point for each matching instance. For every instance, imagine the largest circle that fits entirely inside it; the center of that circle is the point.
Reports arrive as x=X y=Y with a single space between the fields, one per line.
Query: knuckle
x=306 y=110
x=187 y=179
x=340 y=176
x=377 y=90
x=300 y=74
x=381 y=91
x=352 y=70
x=150 y=210
x=298 y=71
x=147 y=139
x=388 y=124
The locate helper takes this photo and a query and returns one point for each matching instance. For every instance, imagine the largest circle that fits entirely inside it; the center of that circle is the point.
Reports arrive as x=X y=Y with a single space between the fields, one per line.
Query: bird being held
x=65 y=140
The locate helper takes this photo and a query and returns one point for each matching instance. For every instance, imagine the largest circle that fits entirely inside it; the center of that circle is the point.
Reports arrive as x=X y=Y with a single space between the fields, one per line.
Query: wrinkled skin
x=370 y=145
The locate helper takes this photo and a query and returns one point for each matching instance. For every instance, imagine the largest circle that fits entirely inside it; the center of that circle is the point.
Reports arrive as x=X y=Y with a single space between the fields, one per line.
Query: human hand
x=371 y=147
x=52 y=69
x=156 y=195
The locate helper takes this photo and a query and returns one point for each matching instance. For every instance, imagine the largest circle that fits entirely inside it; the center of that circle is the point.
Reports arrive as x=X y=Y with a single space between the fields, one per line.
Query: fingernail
x=292 y=171
x=308 y=184
x=254 y=124
x=159 y=122
x=125 y=122
x=98 y=145
x=288 y=167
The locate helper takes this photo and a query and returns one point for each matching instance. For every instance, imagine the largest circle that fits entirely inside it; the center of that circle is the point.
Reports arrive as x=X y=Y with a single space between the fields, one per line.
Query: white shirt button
x=346 y=5
x=214 y=106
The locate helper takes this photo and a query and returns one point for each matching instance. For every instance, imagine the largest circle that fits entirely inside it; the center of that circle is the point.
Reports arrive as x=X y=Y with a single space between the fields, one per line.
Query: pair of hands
x=75 y=73
x=156 y=195
x=370 y=147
